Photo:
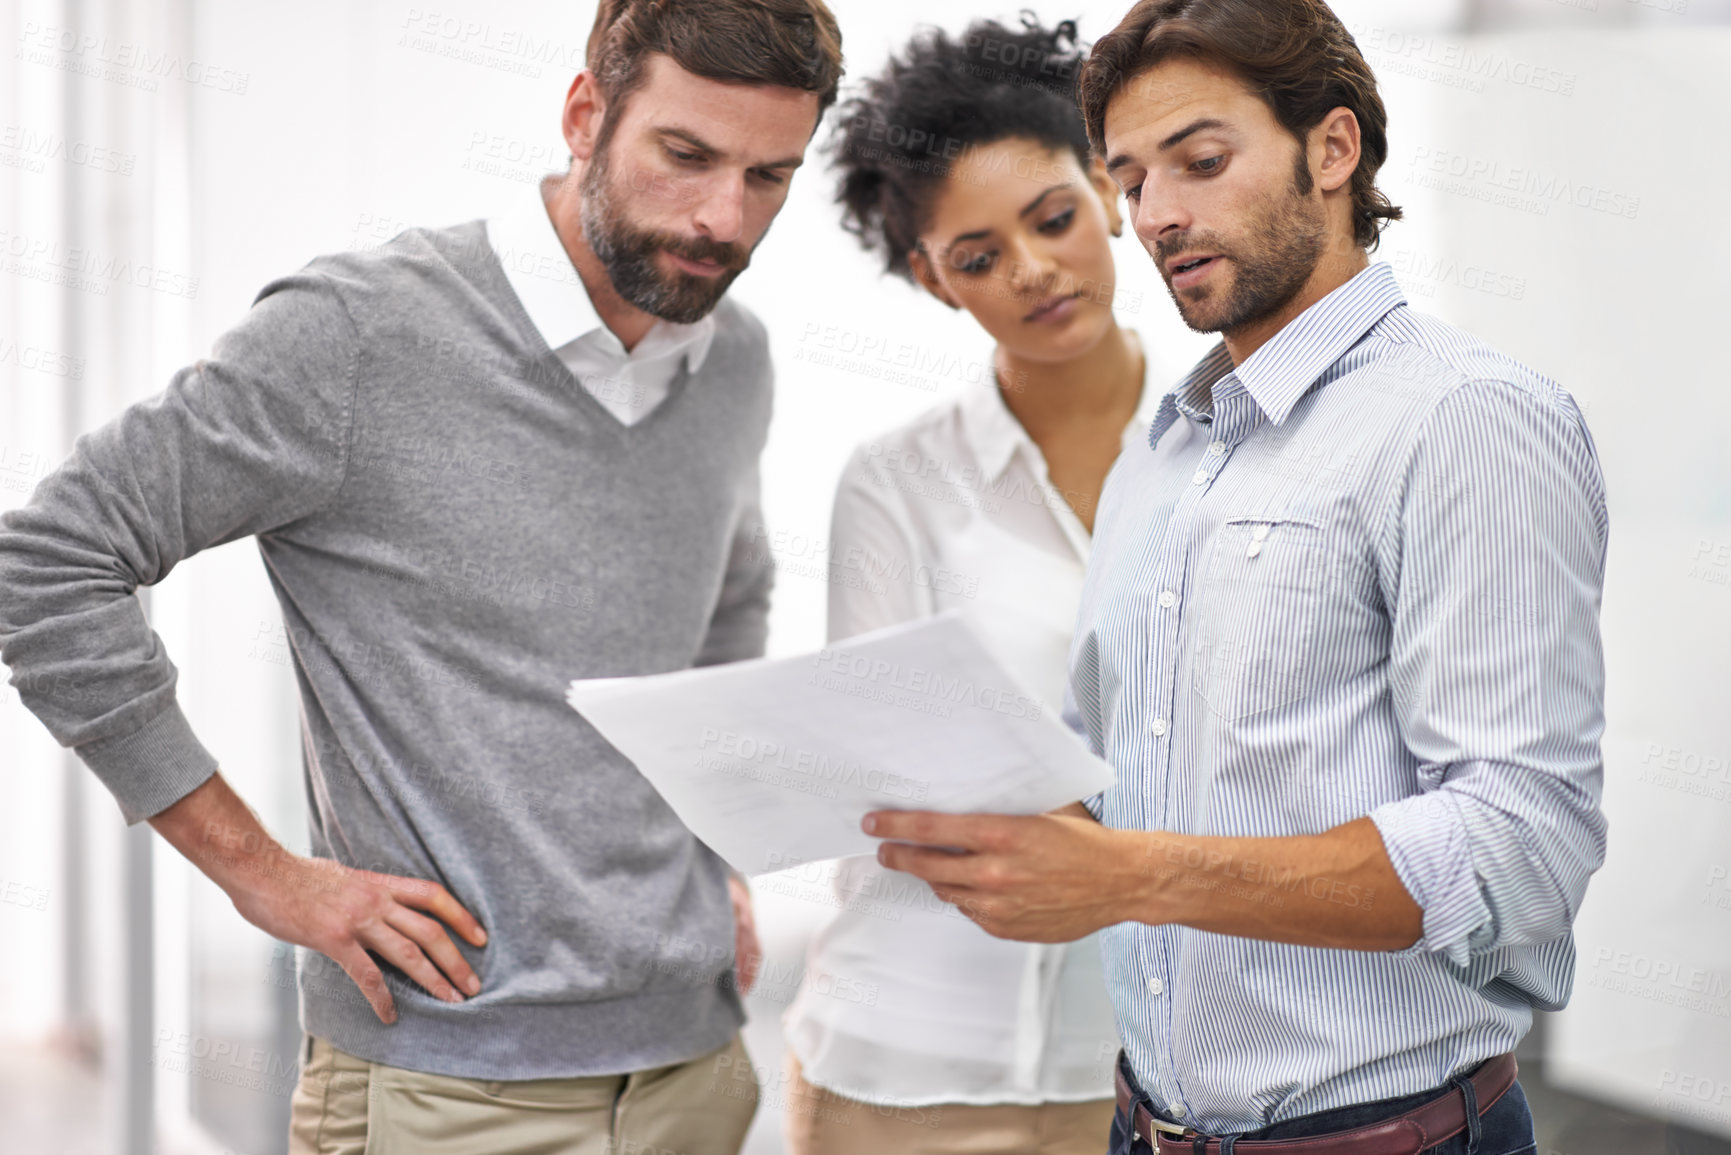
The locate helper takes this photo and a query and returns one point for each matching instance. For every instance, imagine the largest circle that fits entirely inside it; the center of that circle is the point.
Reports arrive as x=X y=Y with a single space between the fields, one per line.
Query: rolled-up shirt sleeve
x=1492 y=555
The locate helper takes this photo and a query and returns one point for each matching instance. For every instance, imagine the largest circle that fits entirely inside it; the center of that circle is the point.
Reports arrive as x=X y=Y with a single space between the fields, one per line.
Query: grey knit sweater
x=455 y=529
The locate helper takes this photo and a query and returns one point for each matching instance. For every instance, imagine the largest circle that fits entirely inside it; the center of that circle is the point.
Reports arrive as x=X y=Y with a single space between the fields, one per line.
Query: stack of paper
x=774 y=762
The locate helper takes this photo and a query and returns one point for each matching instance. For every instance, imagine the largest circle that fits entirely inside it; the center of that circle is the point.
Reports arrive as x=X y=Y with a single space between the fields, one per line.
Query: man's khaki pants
x=348 y=1106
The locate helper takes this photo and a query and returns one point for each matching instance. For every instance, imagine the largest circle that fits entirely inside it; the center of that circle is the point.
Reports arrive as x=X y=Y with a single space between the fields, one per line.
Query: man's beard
x=1282 y=250
x=629 y=255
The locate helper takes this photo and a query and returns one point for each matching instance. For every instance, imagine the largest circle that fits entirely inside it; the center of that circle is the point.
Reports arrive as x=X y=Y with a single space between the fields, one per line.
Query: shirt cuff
x=153 y=767
x=1426 y=840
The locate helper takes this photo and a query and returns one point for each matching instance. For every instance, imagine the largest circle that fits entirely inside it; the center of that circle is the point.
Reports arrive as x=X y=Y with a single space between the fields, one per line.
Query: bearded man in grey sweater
x=586 y=341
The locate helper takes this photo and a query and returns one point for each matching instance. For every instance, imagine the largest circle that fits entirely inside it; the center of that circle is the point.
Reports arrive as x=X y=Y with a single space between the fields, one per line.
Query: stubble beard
x=629 y=253
x=1270 y=267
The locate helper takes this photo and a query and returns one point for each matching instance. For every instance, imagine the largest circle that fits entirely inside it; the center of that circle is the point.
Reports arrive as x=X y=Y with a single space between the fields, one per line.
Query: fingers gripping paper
x=774 y=762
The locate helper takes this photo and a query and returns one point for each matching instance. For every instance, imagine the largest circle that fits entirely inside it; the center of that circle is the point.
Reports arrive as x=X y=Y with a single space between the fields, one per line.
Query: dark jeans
x=1506 y=1129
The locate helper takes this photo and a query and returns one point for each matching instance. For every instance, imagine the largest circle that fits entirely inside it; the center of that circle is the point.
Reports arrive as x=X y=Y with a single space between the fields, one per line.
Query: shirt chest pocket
x=1256 y=619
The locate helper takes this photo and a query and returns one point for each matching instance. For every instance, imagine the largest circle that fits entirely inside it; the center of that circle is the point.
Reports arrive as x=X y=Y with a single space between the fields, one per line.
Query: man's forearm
x=347 y=915
x=1059 y=876
x=1336 y=889
x=219 y=834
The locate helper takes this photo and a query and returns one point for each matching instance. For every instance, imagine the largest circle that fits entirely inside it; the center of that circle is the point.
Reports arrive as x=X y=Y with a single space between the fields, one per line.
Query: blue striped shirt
x=1358 y=575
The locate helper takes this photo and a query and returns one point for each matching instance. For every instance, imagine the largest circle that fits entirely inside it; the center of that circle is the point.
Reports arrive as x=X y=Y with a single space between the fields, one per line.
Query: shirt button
x=1168 y=599
x=1201 y=477
x=1218 y=449
x=1260 y=533
x=1178 y=1111
x=1156 y=987
x=1158 y=726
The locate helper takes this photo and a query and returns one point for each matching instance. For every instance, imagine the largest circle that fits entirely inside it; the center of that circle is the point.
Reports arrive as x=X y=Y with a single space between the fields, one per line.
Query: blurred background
x=160 y=160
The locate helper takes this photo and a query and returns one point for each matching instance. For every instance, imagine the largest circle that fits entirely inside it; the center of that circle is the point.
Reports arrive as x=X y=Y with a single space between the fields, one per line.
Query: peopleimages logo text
x=818 y=767
x=1433 y=165
x=918 y=680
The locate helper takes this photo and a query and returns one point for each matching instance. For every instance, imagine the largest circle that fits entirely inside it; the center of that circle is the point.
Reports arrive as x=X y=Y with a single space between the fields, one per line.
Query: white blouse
x=954 y=510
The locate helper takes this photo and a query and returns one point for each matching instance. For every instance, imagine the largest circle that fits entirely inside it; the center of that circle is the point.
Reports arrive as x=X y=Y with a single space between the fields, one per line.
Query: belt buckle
x=1163 y=1126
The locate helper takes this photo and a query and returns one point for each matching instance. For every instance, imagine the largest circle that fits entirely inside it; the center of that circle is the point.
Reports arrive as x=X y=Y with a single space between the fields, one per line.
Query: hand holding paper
x=774 y=762
x=1054 y=877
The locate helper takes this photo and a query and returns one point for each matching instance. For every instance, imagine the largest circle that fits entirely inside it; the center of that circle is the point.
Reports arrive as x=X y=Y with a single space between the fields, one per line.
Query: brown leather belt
x=1424 y=1126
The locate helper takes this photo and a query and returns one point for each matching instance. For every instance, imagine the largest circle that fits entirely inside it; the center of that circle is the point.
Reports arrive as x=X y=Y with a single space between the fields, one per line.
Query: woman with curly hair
x=965 y=164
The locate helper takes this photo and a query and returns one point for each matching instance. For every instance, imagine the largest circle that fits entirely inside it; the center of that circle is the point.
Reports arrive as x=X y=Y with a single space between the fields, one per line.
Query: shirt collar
x=1283 y=370
x=540 y=272
x=992 y=430
x=994 y=434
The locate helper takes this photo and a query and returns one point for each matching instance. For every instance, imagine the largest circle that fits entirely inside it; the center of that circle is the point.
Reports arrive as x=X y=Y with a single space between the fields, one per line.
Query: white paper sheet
x=774 y=762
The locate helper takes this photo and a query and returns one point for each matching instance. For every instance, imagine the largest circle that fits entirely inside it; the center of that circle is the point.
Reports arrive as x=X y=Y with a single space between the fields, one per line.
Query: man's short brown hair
x=782 y=43
x=1295 y=54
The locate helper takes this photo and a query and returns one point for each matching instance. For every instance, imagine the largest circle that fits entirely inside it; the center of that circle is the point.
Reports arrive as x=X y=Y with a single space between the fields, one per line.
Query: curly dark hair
x=896 y=143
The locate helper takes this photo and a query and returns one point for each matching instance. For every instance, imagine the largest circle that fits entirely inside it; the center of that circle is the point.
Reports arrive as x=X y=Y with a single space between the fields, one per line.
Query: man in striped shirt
x=1339 y=640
